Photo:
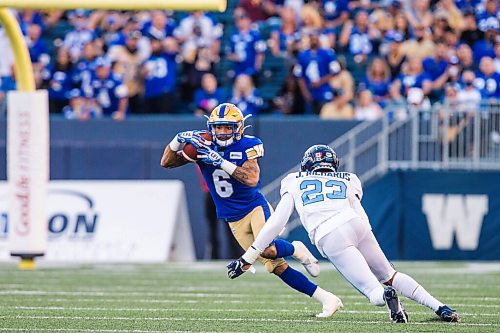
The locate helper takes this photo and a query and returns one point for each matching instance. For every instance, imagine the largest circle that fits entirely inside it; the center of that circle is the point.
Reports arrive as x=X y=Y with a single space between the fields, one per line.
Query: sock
x=410 y=288
x=283 y=248
x=376 y=296
x=321 y=295
x=298 y=281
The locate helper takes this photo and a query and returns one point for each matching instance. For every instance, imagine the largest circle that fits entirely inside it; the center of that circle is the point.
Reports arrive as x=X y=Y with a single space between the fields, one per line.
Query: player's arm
x=248 y=173
x=172 y=158
x=269 y=232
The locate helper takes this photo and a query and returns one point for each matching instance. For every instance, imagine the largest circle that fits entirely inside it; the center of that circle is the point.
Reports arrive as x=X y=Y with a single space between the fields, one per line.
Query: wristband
x=175 y=145
x=251 y=255
x=228 y=167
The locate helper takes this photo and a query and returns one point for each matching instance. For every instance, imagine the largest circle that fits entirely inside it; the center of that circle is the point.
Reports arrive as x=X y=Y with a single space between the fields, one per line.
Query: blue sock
x=283 y=248
x=298 y=281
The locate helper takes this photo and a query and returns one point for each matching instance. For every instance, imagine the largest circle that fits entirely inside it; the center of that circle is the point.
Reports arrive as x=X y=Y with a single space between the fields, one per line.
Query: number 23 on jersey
x=316 y=190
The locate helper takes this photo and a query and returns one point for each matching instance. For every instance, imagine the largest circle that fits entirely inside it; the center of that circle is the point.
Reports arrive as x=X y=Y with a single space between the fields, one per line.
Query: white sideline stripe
x=197 y=295
x=222 y=287
x=120 y=269
x=59 y=308
x=98 y=330
x=156 y=301
x=232 y=319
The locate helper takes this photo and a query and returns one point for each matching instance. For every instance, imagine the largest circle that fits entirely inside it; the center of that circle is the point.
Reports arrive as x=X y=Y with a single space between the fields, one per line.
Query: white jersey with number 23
x=324 y=200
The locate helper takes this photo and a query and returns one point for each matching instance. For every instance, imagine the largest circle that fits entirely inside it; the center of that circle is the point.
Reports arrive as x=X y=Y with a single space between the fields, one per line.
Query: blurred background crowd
x=336 y=59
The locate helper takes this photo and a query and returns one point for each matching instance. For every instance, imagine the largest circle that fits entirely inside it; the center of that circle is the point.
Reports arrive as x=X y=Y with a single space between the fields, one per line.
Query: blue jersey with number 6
x=233 y=199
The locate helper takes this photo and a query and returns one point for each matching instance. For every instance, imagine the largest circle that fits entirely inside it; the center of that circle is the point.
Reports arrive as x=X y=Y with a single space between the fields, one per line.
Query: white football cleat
x=330 y=306
x=306 y=258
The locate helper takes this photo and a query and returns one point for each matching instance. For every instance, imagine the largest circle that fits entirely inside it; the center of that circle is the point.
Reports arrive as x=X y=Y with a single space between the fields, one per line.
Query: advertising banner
x=111 y=221
x=27 y=171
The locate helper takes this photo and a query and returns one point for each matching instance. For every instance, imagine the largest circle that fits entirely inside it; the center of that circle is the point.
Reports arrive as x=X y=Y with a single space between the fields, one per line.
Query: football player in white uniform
x=329 y=205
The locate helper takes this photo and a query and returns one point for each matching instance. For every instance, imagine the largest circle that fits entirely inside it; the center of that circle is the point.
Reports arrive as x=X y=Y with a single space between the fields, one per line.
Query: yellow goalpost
x=28 y=123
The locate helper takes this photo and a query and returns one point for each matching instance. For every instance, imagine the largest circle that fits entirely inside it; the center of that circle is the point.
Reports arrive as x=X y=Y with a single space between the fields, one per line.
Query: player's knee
x=270 y=252
x=278 y=270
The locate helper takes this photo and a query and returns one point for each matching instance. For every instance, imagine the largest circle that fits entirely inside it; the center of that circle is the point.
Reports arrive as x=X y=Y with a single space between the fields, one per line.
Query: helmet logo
x=318 y=156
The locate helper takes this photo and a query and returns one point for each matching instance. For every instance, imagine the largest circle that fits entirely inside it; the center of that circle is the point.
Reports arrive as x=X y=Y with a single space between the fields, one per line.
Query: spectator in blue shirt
x=208 y=96
x=246 y=97
x=314 y=69
x=27 y=17
x=413 y=77
x=37 y=48
x=313 y=22
x=160 y=73
x=437 y=64
x=485 y=47
x=160 y=26
x=284 y=38
x=487 y=80
x=335 y=12
x=107 y=91
x=377 y=80
x=246 y=48
x=83 y=69
x=81 y=34
x=359 y=37
x=490 y=14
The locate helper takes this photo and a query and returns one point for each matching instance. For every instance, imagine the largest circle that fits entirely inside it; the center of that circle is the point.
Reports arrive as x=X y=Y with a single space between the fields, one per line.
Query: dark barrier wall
x=132 y=150
x=431 y=215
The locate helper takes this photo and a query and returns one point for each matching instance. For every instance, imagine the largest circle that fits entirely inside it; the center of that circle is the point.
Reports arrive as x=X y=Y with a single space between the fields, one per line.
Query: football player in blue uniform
x=230 y=169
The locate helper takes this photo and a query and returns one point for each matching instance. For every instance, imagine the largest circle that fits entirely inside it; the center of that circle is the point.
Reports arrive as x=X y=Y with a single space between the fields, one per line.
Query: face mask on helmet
x=224 y=134
x=319 y=158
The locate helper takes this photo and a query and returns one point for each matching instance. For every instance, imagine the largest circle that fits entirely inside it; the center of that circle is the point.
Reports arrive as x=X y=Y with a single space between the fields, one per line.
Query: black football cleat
x=396 y=312
x=447 y=314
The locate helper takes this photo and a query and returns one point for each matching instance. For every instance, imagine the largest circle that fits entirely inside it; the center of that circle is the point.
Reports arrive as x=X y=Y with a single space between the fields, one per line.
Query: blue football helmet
x=319 y=157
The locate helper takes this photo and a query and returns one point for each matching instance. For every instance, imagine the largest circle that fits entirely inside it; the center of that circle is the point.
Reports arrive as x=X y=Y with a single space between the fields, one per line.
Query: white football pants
x=354 y=251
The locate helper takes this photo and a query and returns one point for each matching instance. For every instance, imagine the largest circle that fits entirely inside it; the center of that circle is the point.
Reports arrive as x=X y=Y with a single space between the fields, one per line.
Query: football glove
x=210 y=156
x=192 y=137
x=235 y=268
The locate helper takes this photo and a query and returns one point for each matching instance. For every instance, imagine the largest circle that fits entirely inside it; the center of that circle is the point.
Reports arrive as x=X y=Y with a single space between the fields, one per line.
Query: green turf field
x=200 y=298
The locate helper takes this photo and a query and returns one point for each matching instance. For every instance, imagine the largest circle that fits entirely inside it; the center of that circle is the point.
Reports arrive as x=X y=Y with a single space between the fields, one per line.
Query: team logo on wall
x=455 y=216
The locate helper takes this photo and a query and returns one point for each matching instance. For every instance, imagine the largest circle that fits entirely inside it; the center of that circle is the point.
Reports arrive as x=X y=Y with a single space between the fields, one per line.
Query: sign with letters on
x=112 y=221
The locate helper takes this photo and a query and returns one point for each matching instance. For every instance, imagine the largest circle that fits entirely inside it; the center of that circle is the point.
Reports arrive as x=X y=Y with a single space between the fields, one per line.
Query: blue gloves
x=209 y=156
x=192 y=137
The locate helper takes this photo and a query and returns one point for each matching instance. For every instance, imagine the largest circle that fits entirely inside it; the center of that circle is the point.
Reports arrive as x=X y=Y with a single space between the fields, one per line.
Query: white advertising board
x=111 y=221
x=27 y=170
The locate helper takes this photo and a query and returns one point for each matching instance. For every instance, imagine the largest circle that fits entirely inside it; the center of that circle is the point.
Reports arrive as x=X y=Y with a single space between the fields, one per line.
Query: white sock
x=299 y=253
x=321 y=295
x=410 y=288
x=376 y=296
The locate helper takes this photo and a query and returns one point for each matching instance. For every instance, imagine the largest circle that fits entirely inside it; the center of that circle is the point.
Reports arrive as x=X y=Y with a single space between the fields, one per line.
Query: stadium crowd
x=337 y=59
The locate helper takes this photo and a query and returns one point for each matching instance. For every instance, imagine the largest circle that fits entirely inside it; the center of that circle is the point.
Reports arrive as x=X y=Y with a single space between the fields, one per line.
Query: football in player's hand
x=189 y=151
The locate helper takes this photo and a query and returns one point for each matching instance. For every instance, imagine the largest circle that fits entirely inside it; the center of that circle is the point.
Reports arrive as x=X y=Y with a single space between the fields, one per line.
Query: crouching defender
x=329 y=205
x=230 y=169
